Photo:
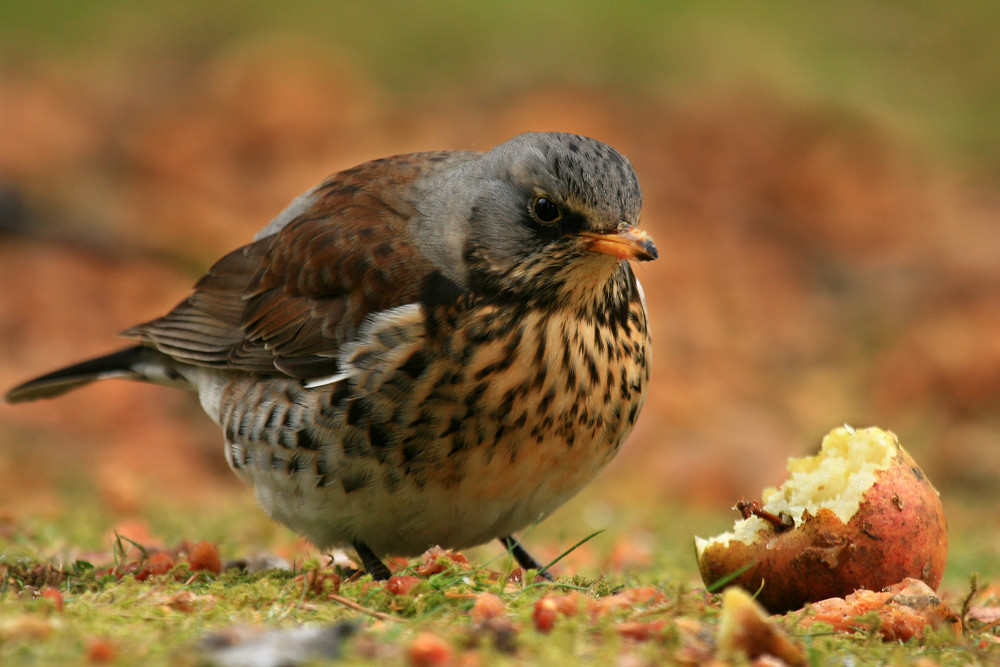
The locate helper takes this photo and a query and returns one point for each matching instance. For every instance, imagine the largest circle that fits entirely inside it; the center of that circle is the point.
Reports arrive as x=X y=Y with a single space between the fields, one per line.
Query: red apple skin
x=898 y=531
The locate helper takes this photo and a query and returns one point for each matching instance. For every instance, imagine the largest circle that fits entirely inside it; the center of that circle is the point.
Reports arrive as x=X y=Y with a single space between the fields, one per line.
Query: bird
x=429 y=349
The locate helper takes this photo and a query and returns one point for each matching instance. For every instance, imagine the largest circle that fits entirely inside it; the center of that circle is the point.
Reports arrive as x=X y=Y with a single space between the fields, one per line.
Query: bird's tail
x=133 y=363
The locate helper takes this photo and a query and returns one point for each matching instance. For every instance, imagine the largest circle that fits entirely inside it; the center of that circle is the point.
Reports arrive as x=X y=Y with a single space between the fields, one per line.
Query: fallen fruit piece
x=55 y=596
x=429 y=650
x=487 y=606
x=100 y=650
x=204 y=556
x=860 y=514
x=904 y=612
x=744 y=628
x=544 y=615
x=400 y=584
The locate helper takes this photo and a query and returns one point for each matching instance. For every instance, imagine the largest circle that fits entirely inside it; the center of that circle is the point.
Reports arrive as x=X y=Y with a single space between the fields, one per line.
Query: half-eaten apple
x=860 y=514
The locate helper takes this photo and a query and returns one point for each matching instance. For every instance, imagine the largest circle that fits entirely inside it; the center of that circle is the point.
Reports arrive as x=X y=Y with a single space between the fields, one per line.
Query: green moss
x=163 y=619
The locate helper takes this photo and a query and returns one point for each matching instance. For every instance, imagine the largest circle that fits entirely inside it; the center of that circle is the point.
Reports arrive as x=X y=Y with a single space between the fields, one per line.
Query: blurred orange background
x=821 y=184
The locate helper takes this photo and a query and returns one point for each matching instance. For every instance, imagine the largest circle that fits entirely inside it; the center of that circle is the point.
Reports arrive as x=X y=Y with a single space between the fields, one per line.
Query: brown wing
x=287 y=302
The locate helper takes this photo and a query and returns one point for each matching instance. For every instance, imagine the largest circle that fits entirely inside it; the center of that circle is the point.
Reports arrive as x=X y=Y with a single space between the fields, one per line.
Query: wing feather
x=288 y=302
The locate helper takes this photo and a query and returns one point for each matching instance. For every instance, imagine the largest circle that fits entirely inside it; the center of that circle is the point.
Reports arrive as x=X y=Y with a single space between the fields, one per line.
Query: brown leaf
x=984 y=614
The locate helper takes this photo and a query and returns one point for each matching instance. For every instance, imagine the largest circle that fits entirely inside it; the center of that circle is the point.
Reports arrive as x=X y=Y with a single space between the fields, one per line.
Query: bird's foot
x=523 y=558
x=371 y=562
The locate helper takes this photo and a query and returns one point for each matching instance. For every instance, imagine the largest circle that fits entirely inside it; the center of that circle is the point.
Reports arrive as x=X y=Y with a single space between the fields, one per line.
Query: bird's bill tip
x=626 y=243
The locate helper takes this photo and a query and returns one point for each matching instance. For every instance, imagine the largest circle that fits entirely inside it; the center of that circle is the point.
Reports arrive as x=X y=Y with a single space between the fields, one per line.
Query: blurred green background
x=821 y=179
x=929 y=68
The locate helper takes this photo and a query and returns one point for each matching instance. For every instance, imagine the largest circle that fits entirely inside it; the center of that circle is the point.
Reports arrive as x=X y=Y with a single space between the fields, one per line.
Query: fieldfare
x=429 y=349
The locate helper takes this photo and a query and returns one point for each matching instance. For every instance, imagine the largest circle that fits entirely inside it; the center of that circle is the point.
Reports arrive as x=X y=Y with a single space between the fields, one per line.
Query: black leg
x=523 y=558
x=371 y=562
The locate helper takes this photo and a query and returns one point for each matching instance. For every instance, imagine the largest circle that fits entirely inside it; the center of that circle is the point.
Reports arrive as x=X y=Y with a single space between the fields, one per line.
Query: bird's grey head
x=582 y=175
x=539 y=203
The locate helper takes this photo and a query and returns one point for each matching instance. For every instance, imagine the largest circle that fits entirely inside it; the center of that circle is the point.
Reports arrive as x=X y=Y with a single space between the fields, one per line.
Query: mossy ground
x=642 y=609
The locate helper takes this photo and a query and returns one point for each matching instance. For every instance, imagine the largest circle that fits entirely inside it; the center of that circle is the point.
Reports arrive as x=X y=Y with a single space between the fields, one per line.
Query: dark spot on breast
x=633 y=413
x=543 y=405
x=422 y=419
x=454 y=426
x=540 y=350
x=379 y=436
x=352 y=480
x=459 y=444
x=918 y=473
x=571 y=379
x=539 y=380
x=305 y=440
x=413 y=452
x=338 y=393
x=472 y=398
x=355 y=413
x=591 y=368
x=415 y=365
x=567 y=361
x=506 y=403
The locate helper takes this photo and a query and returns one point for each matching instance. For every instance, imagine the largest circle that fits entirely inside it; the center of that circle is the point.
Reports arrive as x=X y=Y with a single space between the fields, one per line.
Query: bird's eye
x=545 y=211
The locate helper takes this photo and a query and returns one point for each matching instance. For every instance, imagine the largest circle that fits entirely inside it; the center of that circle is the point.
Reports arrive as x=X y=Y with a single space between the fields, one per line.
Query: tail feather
x=134 y=363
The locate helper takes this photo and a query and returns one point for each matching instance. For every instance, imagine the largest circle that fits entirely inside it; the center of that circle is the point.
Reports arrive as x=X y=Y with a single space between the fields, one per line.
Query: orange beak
x=626 y=243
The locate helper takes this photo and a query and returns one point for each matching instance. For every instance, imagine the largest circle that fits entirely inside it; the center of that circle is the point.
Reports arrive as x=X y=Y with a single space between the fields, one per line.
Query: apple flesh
x=860 y=514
